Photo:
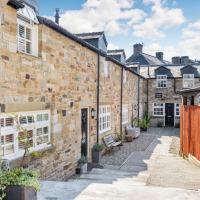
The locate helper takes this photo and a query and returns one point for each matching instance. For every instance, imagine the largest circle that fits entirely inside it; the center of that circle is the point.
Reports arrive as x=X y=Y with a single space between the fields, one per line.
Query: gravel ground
x=117 y=157
x=175 y=145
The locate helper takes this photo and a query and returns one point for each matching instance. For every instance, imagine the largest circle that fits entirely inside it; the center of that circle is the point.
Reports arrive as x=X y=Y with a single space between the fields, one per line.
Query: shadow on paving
x=129 y=174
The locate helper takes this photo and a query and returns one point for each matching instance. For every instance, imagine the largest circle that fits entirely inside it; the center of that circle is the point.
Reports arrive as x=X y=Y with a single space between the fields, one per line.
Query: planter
x=128 y=138
x=84 y=168
x=20 y=193
x=143 y=129
x=95 y=156
x=78 y=170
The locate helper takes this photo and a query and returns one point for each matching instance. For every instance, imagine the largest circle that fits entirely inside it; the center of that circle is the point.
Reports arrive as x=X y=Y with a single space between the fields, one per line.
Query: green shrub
x=18 y=177
x=98 y=147
x=82 y=161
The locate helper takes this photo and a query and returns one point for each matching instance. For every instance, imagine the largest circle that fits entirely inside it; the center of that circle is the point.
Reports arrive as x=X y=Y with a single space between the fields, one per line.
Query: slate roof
x=116 y=52
x=175 y=70
x=51 y=24
x=92 y=35
x=146 y=59
x=15 y=4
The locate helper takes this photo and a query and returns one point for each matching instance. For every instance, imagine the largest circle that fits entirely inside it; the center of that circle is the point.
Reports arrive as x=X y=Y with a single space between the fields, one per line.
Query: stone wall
x=63 y=79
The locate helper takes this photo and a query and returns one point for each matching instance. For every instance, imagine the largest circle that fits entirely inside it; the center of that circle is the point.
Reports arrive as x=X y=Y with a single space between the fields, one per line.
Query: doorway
x=84 y=132
x=169 y=114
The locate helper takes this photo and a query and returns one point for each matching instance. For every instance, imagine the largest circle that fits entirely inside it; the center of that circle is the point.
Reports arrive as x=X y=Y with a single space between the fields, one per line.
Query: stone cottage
x=64 y=90
x=164 y=84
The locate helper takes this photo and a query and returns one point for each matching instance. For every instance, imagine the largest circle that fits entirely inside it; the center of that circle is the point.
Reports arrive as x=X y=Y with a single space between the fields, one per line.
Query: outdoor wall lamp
x=93 y=113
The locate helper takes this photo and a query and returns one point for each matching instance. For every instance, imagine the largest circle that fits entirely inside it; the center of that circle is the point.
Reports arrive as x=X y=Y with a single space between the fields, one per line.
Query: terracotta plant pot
x=20 y=193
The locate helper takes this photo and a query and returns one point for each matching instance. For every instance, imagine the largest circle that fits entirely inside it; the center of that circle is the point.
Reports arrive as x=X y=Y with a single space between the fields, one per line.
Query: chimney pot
x=137 y=49
x=57 y=15
x=160 y=55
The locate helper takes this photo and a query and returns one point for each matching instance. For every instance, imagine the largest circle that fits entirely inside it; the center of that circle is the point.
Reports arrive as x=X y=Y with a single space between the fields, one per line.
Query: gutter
x=15 y=4
x=98 y=85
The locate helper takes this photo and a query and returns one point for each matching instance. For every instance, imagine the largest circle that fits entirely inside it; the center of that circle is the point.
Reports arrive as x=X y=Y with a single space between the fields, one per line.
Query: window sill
x=16 y=157
x=105 y=131
x=31 y=55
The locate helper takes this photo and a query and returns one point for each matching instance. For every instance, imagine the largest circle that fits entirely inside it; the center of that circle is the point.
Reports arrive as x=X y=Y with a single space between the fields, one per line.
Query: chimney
x=160 y=55
x=176 y=60
x=137 y=49
x=57 y=15
x=185 y=60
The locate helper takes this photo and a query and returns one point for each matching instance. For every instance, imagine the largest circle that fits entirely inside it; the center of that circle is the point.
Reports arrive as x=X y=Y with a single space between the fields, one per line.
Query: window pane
x=9 y=121
x=21 y=31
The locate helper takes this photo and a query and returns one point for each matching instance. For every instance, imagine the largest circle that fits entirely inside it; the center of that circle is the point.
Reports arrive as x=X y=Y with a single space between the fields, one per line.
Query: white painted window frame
x=161 y=80
x=125 y=114
x=186 y=79
x=176 y=106
x=161 y=106
x=19 y=38
x=28 y=126
x=104 y=118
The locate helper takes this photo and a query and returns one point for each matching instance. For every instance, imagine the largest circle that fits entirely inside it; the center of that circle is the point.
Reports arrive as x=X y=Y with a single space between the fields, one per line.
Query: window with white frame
x=158 y=109
x=188 y=80
x=125 y=114
x=177 y=109
x=24 y=129
x=27 y=31
x=25 y=38
x=161 y=81
x=104 y=118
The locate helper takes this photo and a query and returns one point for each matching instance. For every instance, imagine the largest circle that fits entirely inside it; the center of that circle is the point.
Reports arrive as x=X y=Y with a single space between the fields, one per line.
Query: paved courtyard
x=155 y=172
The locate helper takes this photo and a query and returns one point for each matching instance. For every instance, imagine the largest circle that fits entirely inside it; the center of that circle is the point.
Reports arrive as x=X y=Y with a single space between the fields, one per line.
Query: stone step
x=132 y=168
x=112 y=172
x=110 y=177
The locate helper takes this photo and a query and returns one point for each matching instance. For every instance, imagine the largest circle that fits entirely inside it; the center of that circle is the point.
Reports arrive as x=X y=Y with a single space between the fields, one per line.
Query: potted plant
x=144 y=123
x=19 y=184
x=97 y=148
x=82 y=165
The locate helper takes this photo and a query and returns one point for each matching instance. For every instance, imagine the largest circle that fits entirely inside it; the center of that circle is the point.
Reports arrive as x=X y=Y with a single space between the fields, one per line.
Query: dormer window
x=161 y=81
x=27 y=31
x=24 y=38
x=188 y=80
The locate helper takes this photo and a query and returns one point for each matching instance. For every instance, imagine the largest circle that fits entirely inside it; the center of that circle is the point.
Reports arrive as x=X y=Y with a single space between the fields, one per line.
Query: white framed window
x=22 y=129
x=158 y=109
x=24 y=36
x=125 y=114
x=104 y=118
x=188 y=80
x=161 y=81
x=177 y=109
x=124 y=77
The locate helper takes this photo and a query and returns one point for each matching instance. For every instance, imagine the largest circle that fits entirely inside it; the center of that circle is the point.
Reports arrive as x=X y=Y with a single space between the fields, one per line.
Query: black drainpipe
x=147 y=97
x=139 y=96
x=121 y=101
x=98 y=82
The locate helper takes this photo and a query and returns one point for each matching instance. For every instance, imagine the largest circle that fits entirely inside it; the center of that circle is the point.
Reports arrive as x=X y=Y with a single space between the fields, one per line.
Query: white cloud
x=112 y=46
x=113 y=16
x=160 y=19
x=190 y=40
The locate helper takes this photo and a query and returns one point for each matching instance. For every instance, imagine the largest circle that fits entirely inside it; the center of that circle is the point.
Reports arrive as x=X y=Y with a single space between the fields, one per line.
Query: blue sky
x=172 y=26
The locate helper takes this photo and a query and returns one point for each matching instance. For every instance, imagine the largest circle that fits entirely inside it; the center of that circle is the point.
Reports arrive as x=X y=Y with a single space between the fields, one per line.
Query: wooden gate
x=190 y=130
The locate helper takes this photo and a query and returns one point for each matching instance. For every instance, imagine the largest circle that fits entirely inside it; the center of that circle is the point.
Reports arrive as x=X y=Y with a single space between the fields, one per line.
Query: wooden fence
x=190 y=130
